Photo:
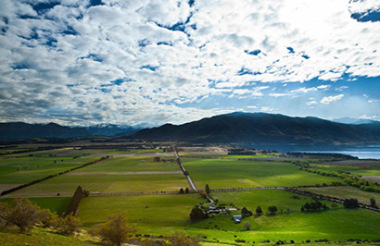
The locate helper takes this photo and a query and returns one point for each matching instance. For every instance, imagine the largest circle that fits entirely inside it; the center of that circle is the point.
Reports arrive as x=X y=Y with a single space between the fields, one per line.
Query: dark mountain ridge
x=20 y=130
x=262 y=128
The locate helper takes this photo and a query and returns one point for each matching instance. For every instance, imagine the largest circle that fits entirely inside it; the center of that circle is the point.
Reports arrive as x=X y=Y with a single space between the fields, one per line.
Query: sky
x=150 y=62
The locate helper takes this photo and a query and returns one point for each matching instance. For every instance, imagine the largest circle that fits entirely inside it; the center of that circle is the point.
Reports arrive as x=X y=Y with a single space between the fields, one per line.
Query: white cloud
x=330 y=99
x=311 y=102
x=323 y=87
x=60 y=65
x=304 y=90
x=278 y=94
x=342 y=88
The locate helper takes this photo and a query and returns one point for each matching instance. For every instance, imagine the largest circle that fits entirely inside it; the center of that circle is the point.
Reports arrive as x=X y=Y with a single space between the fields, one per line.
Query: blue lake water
x=362 y=152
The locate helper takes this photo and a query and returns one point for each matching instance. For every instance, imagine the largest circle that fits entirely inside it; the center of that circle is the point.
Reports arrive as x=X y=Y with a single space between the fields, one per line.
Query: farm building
x=237 y=218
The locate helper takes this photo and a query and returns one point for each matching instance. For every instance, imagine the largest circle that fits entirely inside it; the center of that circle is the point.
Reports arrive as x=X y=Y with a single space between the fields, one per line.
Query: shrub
x=180 y=239
x=259 y=211
x=272 y=209
x=68 y=225
x=115 y=231
x=22 y=214
x=350 y=203
x=247 y=226
x=197 y=213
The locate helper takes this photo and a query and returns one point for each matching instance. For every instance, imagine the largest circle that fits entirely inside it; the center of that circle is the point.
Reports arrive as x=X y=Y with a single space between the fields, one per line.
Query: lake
x=362 y=152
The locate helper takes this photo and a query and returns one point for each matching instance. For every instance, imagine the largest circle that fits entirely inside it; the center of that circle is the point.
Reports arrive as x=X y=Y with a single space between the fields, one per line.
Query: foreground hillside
x=260 y=128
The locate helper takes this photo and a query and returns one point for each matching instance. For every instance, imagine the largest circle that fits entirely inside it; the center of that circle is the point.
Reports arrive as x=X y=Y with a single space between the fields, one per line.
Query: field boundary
x=173 y=192
x=186 y=173
x=5 y=192
x=328 y=198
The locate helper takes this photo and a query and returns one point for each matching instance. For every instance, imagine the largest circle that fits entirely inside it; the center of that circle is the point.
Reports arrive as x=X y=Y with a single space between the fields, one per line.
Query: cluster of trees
x=198 y=213
x=183 y=191
x=314 y=206
x=24 y=215
x=372 y=202
x=351 y=203
x=245 y=212
x=272 y=210
x=347 y=178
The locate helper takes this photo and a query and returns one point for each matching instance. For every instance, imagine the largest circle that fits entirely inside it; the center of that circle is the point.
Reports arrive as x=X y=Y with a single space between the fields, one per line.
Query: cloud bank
x=151 y=62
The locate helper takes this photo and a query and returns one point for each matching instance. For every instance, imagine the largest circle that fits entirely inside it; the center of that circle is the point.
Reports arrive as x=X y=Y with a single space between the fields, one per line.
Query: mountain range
x=238 y=127
x=20 y=130
x=262 y=128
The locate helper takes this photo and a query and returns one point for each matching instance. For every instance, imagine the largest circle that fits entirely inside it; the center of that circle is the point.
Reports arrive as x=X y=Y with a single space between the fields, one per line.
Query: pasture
x=226 y=173
x=346 y=192
x=162 y=214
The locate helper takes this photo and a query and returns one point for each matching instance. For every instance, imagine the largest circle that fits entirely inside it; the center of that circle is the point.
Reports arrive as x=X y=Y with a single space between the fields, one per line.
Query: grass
x=66 y=184
x=43 y=237
x=234 y=173
x=334 y=224
x=151 y=214
x=128 y=164
x=26 y=169
x=57 y=205
x=164 y=214
x=346 y=192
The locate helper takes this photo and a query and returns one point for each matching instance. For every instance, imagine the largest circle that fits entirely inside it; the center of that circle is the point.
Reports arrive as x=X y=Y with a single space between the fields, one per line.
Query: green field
x=166 y=213
x=151 y=214
x=130 y=164
x=221 y=173
x=57 y=205
x=66 y=184
x=26 y=169
x=43 y=237
x=346 y=192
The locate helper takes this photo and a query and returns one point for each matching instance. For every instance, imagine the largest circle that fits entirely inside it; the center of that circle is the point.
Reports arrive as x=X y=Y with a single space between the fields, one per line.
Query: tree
x=180 y=239
x=247 y=226
x=68 y=225
x=245 y=212
x=115 y=231
x=259 y=211
x=181 y=191
x=23 y=214
x=272 y=209
x=197 y=213
x=207 y=189
x=351 y=203
x=373 y=202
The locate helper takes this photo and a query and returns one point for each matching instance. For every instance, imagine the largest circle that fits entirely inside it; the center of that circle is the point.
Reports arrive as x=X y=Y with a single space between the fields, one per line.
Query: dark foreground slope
x=261 y=128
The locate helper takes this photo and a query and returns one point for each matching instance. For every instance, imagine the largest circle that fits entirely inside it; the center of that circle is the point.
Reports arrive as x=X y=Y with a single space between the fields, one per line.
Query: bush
x=68 y=225
x=245 y=212
x=350 y=203
x=259 y=211
x=247 y=226
x=272 y=209
x=22 y=214
x=197 y=213
x=180 y=239
x=115 y=231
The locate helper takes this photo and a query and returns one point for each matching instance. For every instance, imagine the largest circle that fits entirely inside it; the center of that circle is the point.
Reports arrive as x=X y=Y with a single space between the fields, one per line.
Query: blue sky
x=150 y=62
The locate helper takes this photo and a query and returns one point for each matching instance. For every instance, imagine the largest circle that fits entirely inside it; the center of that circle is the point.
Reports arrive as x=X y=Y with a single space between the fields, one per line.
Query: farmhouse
x=237 y=218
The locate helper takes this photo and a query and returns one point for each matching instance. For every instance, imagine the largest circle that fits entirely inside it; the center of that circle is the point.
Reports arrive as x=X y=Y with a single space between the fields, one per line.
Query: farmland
x=144 y=185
